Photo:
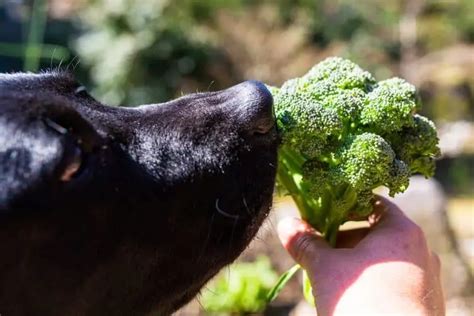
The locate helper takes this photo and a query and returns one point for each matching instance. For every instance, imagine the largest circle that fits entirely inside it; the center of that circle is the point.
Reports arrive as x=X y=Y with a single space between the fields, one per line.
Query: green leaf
x=307 y=289
x=242 y=290
x=284 y=278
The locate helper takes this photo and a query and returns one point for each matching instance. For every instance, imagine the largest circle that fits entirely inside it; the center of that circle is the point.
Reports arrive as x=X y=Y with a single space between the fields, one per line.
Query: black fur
x=160 y=199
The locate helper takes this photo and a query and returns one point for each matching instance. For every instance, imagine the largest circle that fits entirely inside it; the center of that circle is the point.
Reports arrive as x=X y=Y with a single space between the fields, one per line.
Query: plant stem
x=289 y=169
x=36 y=31
x=331 y=234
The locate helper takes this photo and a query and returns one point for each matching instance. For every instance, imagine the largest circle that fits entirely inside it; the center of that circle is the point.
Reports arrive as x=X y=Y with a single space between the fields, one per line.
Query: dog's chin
x=241 y=213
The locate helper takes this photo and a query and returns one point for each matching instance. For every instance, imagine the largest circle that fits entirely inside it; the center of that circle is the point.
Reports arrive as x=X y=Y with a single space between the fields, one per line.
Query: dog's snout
x=254 y=106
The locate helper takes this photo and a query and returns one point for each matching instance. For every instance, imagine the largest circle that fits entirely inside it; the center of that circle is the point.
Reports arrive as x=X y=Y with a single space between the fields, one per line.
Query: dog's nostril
x=255 y=107
x=263 y=126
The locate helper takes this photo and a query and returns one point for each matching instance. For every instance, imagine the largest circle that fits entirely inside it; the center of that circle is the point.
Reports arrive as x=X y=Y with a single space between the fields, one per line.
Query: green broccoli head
x=342 y=73
x=390 y=106
x=369 y=161
x=345 y=134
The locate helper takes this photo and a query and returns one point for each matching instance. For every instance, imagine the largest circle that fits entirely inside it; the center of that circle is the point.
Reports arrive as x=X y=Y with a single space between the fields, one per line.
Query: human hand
x=386 y=269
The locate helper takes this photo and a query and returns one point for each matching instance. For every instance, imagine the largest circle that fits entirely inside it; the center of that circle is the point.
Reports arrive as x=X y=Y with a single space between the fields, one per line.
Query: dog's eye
x=81 y=91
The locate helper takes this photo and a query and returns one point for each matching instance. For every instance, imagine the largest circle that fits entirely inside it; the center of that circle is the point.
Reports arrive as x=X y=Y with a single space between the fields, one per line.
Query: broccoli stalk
x=345 y=134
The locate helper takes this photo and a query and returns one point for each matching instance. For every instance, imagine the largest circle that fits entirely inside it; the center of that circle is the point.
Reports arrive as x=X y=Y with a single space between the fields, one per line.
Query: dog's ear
x=42 y=143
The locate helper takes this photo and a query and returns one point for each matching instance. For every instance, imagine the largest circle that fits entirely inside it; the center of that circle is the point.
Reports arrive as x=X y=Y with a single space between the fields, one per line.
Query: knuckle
x=416 y=238
x=415 y=233
x=302 y=246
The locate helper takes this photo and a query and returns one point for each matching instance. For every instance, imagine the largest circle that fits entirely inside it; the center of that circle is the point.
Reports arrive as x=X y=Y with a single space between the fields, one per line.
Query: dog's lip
x=71 y=164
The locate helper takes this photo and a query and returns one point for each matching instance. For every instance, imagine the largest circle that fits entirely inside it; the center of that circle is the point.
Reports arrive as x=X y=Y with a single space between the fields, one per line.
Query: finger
x=301 y=241
x=387 y=219
x=386 y=215
x=350 y=238
x=378 y=211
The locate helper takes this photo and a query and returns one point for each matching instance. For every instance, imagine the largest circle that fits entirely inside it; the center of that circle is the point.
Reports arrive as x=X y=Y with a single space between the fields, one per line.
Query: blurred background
x=134 y=52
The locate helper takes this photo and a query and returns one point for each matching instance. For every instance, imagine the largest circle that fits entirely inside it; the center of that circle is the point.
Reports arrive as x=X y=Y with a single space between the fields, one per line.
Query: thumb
x=301 y=241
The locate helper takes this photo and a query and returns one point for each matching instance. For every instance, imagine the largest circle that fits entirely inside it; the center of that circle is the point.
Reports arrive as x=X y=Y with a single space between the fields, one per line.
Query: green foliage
x=307 y=289
x=140 y=51
x=457 y=174
x=32 y=50
x=242 y=289
x=344 y=134
x=284 y=278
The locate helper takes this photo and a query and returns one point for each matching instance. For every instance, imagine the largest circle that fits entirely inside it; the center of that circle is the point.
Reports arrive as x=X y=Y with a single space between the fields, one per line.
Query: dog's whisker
x=206 y=288
x=228 y=272
x=60 y=64
x=210 y=85
x=263 y=240
x=198 y=300
x=206 y=241
x=77 y=64
x=70 y=63
x=271 y=224
x=232 y=236
x=246 y=205
x=225 y=214
x=51 y=59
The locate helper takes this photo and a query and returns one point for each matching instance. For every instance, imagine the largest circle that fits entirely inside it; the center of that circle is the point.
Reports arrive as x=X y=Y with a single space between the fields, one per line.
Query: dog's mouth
x=250 y=105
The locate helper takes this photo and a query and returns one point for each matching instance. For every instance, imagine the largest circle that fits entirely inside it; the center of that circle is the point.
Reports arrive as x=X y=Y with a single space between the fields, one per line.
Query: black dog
x=125 y=211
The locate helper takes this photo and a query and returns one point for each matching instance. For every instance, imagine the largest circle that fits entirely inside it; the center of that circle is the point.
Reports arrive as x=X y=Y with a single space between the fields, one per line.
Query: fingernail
x=288 y=227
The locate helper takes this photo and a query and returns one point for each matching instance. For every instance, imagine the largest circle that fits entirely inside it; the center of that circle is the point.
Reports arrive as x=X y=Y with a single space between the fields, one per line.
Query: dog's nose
x=254 y=105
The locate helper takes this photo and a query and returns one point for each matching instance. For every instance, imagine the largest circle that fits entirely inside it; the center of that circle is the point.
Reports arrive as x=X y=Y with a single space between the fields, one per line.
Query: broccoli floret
x=417 y=145
x=390 y=106
x=295 y=117
x=343 y=135
x=342 y=72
